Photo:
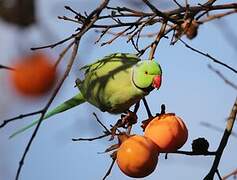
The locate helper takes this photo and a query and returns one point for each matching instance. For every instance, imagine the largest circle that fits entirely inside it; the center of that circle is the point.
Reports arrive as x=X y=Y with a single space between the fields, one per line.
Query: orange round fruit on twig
x=168 y=132
x=137 y=156
x=34 y=75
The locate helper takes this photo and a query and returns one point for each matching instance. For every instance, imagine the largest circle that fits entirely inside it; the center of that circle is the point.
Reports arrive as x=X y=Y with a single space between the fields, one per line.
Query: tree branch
x=158 y=13
x=231 y=84
x=223 y=143
x=92 y=18
x=5 y=122
x=209 y=56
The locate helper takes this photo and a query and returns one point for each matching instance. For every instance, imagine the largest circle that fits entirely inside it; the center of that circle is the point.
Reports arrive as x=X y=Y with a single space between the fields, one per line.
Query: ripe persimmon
x=137 y=156
x=167 y=131
x=34 y=75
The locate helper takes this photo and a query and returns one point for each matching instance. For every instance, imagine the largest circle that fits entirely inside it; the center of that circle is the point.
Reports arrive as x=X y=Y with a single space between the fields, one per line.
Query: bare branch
x=233 y=173
x=191 y=153
x=217 y=16
x=211 y=126
x=91 y=139
x=134 y=29
x=209 y=56
x=21 y=163
x=55 y=44
x=209 y=3
x=62 y=54
x=97 y=119
x=157 y=40
x=196 y=9
x=223 y=77
x=6 y=67
x=68 y=19
x=116 y=36
x=92 y=18
x=223 y=143
x=157 y=12
x=110 y=169
x=218 y=174
x=5 y=122
x=177 y=3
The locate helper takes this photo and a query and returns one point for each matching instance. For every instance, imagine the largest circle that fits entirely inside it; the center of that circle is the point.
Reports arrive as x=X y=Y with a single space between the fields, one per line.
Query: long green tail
x=74 y=101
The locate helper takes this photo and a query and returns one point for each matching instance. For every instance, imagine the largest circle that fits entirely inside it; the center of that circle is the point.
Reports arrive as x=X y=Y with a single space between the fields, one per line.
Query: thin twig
x=196 y=9
x=68 y=19
x=21 y=163
x=110 y=169
x=75 y=12
x=157 y=40
x=229 y=33
x=78 y=36
x=209 y=3
x=217 y=16
x=209 y=56
x=6 y=67
x=55 y=44
x=148 y=35
x=191 y=153
x=103 y=32
x=139 y=31
x=5 y=122
x=142 y=51
x=218 y=174
x=125 y=9
x=91 y=139
x=116 y=36
x=158 y=12
x=233 y=173
x=223 y=143
x=97 y=119
x=136 y=107
x=216 y=128
x=177 y=3
x=231 y=84
x=62 y=54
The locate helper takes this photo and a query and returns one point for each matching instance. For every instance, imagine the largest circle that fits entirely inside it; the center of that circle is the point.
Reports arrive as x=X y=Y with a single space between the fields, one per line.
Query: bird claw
x=128 y=119
x=125 y=121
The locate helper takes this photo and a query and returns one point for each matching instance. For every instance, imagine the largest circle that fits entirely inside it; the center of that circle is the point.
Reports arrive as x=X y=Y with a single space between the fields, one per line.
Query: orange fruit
x=34 y=75
x=137 y=156
x=168 y=132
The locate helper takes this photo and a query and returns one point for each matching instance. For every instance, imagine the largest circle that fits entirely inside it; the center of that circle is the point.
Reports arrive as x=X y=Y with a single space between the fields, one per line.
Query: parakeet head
x=147 y=75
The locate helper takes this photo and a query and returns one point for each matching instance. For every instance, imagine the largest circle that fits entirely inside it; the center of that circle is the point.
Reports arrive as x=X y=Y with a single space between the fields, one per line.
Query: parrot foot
x=128 y=119
x=125 y=122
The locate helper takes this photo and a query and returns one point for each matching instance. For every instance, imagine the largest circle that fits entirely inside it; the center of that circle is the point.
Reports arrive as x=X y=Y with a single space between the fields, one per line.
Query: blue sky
x=189 y=89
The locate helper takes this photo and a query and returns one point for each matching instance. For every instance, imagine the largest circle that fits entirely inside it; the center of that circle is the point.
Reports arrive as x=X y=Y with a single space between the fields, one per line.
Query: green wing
x=99 y=86
x=112 y=57
x=74 y=101
x=108 y=84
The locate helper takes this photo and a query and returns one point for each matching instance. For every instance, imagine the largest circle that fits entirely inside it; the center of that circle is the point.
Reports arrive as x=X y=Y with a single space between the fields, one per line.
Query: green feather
x=112 y=84
x=74 y=101
x=108 y=83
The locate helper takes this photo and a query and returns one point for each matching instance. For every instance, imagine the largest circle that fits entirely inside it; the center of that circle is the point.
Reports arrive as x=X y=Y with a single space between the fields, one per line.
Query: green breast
x=108 y=84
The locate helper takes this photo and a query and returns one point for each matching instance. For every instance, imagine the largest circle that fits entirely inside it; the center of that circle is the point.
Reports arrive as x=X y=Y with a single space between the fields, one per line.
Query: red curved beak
x=157 y=81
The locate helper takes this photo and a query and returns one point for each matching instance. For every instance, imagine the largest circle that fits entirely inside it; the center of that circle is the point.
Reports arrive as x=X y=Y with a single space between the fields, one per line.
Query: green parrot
x=112 y=84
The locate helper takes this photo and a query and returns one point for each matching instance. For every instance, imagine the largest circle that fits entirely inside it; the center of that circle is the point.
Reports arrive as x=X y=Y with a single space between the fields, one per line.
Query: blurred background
x=190 y=89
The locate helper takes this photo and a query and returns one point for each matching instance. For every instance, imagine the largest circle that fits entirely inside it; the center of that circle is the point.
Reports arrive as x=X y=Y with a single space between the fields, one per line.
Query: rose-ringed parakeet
x=112 y=84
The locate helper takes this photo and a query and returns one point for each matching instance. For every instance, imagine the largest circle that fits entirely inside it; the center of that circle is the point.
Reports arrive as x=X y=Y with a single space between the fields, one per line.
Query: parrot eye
x=146 y=72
